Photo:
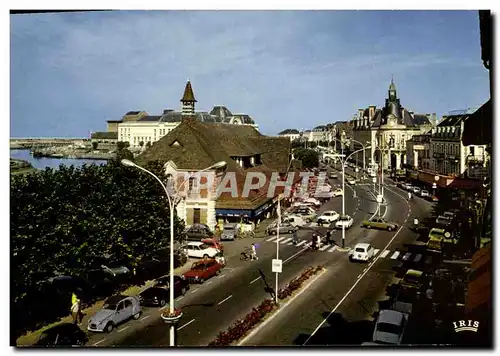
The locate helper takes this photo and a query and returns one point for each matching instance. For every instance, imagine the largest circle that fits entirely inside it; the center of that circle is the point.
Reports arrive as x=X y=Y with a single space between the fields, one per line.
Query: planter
x=172 y=319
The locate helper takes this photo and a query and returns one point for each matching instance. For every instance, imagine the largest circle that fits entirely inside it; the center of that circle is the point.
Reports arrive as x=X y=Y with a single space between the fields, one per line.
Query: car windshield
x=388 y=328
x=199 y=267
x=360 y=249
x=228 y=228
x=109 y=306
x=411 y=279
x=437 y=234
x=344 y=218
x=204 y=246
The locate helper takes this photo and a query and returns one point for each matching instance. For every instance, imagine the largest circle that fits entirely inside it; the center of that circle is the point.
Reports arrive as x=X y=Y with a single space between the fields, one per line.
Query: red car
x=202 y=270
x=213 y=243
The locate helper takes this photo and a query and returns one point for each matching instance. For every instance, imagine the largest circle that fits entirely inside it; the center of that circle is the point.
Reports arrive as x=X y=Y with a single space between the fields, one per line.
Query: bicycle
x=247 y=234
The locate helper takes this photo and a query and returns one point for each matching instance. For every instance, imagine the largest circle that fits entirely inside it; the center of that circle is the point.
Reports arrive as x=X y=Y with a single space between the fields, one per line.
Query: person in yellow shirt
x=76 y=311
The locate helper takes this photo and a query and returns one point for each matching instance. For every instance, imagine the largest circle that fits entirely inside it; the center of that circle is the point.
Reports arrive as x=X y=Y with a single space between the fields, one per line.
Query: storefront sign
x=233 y=212
x=261 y=209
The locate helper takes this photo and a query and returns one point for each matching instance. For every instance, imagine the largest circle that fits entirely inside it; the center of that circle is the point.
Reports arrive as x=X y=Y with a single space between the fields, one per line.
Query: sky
x=70 y=72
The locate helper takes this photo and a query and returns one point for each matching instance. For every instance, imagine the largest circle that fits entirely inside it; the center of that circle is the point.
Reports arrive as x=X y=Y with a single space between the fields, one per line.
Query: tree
x=141 y=143
x=94 y=145
x=309 y=157
x=120 y=145
x=148 y=144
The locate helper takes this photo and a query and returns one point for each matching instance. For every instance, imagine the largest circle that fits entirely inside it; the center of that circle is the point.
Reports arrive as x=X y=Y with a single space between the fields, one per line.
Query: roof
x=244 y=118
x=188 y=94
x=452 y=120
x=221 y=112
x=414 y=272
x=320 y=128
x=362 y=245
x=103 y=135
x=115 y=299
x=289 y=132
x=392 y=86
x=477 y=129
x=197 y=243
x=176 y=116
x=420 y=119
x=150 y=118
x=133 y=113
x=390 y=317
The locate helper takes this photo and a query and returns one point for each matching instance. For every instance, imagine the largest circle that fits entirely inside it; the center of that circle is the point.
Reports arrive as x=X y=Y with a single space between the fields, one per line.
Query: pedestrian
x=415 y=223
x=76 y=309
x=409 y=196
x=294 y=237
x=328 y=236
x=318 y=241
x=254 y=252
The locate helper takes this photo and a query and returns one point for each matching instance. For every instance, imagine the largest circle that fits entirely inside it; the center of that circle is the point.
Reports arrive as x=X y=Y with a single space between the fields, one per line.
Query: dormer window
x=176 y=143
x=191 y=184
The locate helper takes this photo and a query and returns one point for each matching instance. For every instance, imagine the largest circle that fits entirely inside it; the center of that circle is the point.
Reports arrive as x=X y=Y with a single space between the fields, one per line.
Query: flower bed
x=243 y=326
x=166 y=313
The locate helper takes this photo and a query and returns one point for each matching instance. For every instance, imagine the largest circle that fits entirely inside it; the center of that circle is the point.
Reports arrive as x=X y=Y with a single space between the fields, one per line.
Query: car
x=312 y=201
x=416 y=190
x=202 y=270
x=436 y=237
x=198 y=232
x=211 y=242
x=379 y=223
x=116 y=310
x=443 y=221
x=328 y=216
x=351 y=181
x=412 y=279
x=295 y=220
x=228 y=232
x=159 y=293
x=408 y=186
x=390 y=327
x=362 y=252
x=64 y=334
x=305 y=212
x=333 y=176
x=434 y=198
x=424 y=193
x=450 y=215
x=337 y=192
x=344 y=221
x=285 y=228
x=199 y=250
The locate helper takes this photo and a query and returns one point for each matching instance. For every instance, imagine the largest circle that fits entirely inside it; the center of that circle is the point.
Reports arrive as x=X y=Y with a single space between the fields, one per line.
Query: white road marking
x=324 y=247
x=417 y=258
x=183 y=326
x=385 y=253
x=194 y=290
x=406 y=256
x=209 y=282
x=272 y=239
x=301 y=242
x=357 y=281
x=222 y=276
x=255 y=280
x=395 y=255
x=222 y=301
x=286 y=240
x=376 y=251
x=333 y=248
x=98 y=342
x=125 y=328
x=179 y=298
x=145 y=317
x=290 y=243
x=289 y=258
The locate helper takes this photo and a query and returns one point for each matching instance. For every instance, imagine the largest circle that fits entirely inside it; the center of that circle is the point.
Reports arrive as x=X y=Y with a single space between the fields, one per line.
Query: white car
x=312 y=201
x=361 y=252
x=351 y=181
x=200 y=250
x=344 y=221
x=390 y=327
x=328 y=216
x=295 y=220
x=416 y=190
x=338 y=192
x=424 y=193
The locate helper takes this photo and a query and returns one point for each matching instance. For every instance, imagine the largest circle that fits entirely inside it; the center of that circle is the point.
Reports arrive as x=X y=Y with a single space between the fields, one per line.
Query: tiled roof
x=188 y=93
x=452 y=120
x=176 y=116
x=104 y=135
x=289 y=132
x=419 y=119
x=221 y=112
x=478 y=128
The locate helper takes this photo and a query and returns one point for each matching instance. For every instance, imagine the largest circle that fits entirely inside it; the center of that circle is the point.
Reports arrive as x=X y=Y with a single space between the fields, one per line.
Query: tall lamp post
x=364 y=152
x=343 y=189
x=171 y=205
x=381 y=179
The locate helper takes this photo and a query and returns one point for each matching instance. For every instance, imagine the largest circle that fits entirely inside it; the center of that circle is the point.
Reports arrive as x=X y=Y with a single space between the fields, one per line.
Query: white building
x=292 y=134
x=140 y=129
x=387 y=130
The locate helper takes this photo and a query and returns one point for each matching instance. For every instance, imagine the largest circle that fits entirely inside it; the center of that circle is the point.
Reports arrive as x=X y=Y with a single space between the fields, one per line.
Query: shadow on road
x=338 y=331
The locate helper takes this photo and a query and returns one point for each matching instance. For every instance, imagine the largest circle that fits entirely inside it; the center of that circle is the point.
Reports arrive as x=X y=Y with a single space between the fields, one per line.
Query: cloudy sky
x=287 y=69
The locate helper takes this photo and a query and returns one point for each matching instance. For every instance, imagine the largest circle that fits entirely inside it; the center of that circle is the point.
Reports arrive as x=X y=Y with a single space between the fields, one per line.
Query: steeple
x=188 y=101
x=392 y=91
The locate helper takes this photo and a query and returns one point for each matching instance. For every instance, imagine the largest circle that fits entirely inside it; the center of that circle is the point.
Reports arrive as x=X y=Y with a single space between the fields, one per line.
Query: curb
x=346 y=249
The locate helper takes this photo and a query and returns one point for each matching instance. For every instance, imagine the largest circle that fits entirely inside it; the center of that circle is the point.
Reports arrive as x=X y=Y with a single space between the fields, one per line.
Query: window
x=128 y=303
x=192 y=184
x=472 y=150
x=121 y=305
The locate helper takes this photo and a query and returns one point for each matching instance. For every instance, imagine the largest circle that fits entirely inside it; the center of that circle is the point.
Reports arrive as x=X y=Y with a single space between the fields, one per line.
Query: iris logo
x=465 y=325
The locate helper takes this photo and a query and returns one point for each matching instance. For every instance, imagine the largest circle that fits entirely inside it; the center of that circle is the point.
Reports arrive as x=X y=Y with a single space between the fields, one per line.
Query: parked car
x=210 y=242
x=450 y=215
x=285 y=228
x=159 y=293
x=379 y=223
x=198 y=232
x=424 y=193
x=412 y=279
x=116 y=310
x=199 y=250
x=351 y=181
x=443 y=221
x=337 y=192
x=344 y=221
x=312 y=201
x=390 y=327
x=328 y=216
x=202 y=270
x=334 y=176
x=295 y=220
x=361 y=252
x=434 y=198
x=408 y=186
x=180 y=284
x=436 y=237
x=306 y=212
x=416 y=190
x=63 y=335
x=229 y=232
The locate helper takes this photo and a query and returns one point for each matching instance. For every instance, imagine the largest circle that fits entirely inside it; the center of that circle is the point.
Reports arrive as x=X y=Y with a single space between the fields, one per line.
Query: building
x=292 y=134
x=387 y=130
x=104 y=140
x=138 y=127
x=450 y=156
x=418 y=152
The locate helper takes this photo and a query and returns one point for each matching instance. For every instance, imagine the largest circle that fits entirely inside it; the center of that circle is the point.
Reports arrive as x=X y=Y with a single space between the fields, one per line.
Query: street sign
x=379 y=198
x=277 y=266
x=434 y=185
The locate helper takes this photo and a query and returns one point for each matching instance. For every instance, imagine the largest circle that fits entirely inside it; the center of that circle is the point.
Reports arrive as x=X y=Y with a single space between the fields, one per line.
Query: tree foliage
x=62 y=219
x=309 y=157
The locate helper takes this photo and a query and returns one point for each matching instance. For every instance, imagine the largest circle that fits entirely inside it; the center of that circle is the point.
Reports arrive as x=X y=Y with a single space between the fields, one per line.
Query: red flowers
x=297 y=282
x=166 y=314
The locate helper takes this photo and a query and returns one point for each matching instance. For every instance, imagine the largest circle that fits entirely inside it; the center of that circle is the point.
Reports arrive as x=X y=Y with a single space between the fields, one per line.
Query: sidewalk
x=32 y=337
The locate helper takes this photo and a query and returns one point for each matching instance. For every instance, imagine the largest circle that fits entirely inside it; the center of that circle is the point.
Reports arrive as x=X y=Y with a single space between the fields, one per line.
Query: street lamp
x=364 y=153
x=343 y=189
x=128 y=163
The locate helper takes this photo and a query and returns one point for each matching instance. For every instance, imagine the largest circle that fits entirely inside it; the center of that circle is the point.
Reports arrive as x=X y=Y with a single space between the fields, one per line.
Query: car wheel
x=290 y=231
x=109 y=327
x=163 y=302
x=368 y=226
x=389 y=228
x=309 y=220
x=217 y=273
x=205 y=256
x=183 y=291
x=137 y=315
x=273 y=232
x=201 y=280
x=350 y=259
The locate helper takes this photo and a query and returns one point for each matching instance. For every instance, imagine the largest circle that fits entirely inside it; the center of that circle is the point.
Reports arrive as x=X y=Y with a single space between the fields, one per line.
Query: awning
x=262 y=208
x=478 y=128
x=233 y=212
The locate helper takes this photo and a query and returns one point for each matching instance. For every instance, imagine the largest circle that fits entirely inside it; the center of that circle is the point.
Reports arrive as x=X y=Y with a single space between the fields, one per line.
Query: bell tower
x=188 y=101
x=392 y=91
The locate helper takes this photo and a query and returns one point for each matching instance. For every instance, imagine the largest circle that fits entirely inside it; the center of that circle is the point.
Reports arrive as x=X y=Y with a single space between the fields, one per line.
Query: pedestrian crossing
x=381 y=254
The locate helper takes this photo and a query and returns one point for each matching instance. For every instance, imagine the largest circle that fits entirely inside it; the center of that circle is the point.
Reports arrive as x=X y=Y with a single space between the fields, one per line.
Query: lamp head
x=127 y=163
x=217 y=165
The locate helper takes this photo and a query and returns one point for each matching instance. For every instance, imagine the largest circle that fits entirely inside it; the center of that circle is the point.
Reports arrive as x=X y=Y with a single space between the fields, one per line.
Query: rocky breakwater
x=72 y=152
x=20 y=166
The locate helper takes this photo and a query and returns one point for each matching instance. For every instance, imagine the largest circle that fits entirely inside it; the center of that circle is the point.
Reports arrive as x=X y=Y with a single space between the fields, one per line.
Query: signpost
x=379 y=201
x=277 y=265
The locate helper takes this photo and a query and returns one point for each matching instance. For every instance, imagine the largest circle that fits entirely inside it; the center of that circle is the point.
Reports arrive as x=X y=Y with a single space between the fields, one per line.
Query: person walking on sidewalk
x=254 y=252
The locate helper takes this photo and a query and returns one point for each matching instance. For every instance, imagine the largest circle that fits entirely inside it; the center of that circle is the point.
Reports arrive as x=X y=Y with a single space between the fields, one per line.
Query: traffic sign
x=277 y=266
x=379 y=198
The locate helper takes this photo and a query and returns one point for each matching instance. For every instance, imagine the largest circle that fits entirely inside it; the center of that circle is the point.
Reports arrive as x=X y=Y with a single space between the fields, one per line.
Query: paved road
x=338 y=308
x=215 y=305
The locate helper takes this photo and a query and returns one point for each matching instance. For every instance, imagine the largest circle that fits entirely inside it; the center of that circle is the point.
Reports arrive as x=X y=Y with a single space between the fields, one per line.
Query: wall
x=135 y=132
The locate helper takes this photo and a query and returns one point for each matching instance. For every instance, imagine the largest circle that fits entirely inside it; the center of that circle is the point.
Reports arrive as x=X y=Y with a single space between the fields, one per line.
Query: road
x=339 y=309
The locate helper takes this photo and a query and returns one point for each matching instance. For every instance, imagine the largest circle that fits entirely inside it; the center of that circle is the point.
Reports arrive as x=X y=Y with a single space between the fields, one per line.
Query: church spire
x=188 y=101
x=392 y=91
